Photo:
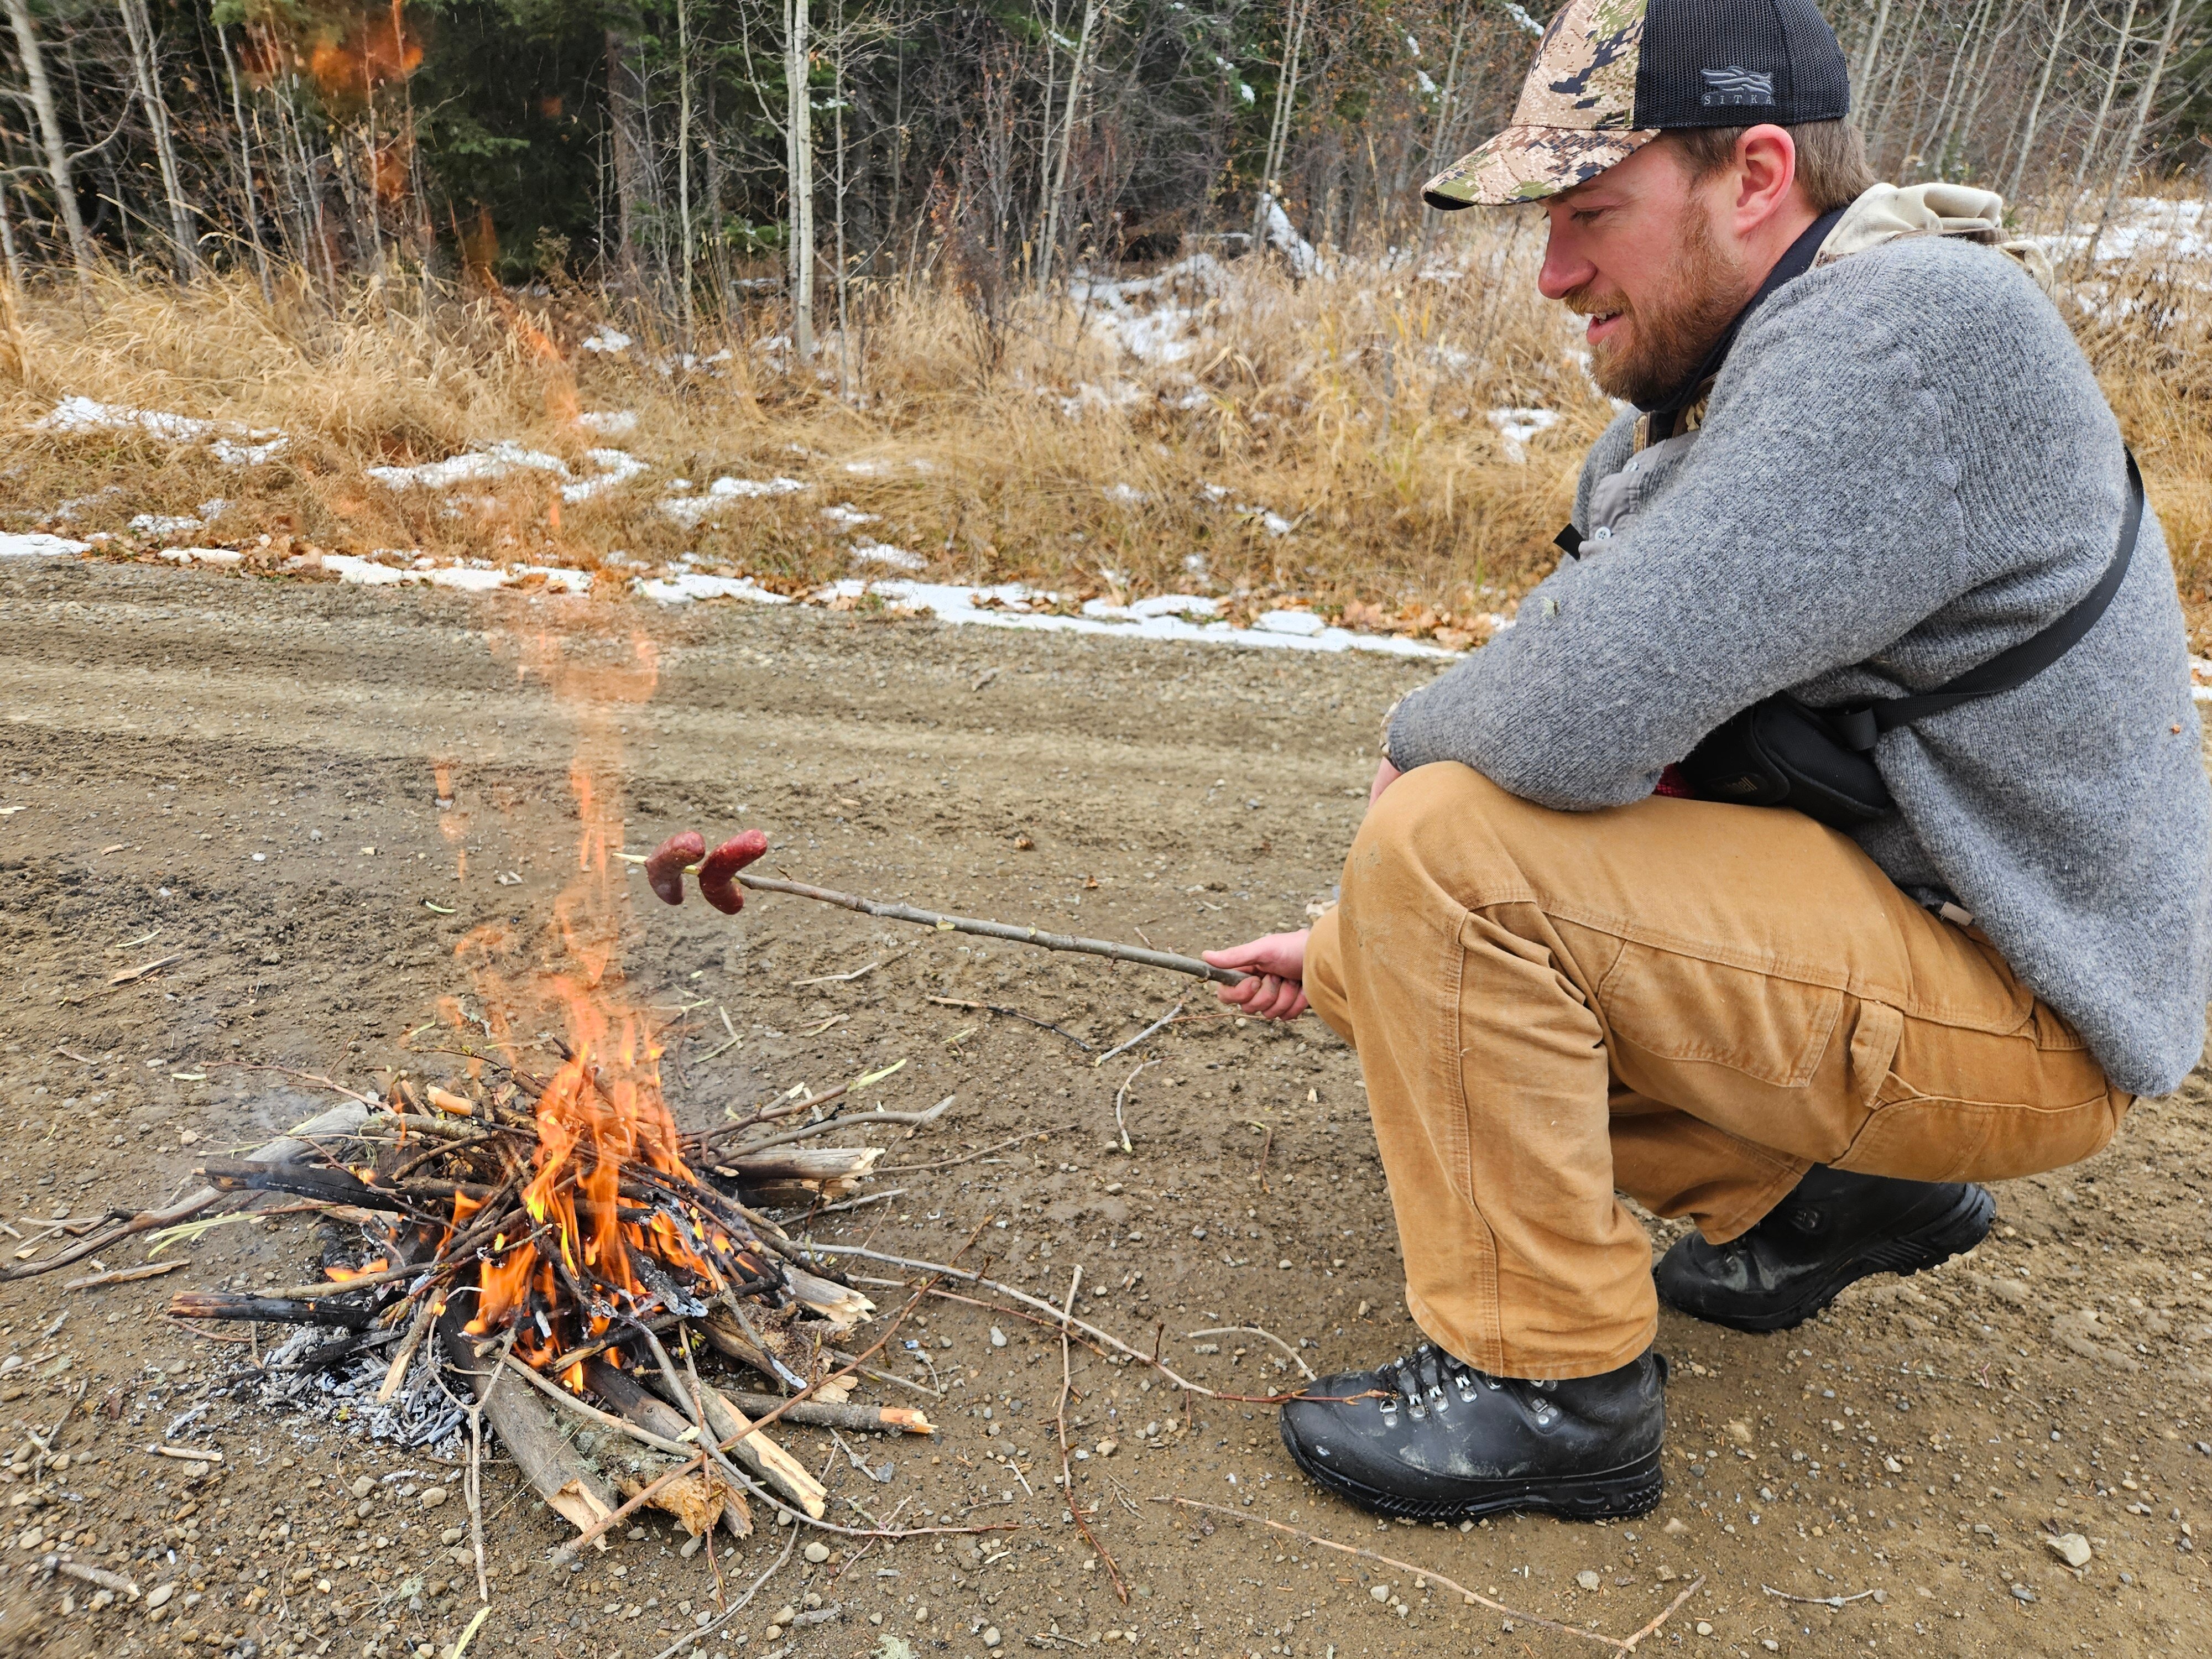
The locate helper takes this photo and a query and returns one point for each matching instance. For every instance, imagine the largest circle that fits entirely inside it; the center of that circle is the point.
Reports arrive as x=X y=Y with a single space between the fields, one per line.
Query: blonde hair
x=1832 y=161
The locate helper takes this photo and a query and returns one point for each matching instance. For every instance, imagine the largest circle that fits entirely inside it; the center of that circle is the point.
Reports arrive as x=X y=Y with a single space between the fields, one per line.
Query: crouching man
x=1868 y=555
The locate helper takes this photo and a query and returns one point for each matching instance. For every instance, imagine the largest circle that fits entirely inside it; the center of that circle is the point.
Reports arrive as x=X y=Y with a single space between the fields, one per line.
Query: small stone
x=1380 y=1593
x=1586 y=1579
x=1675 y=1526
x=1703 y=1629
x=991 y=1637
x=2022 y=1593
x=2071 y=1549
x=691 y=1546
x=817 y=1552
x=362 y=1487
x=784 y=1614
x=452 y=1536
x=1108 y=1447
x=434 y=1496
x=159 y=1596
x=1740 y=1431
x=998 y=1337
x=1770 y=1644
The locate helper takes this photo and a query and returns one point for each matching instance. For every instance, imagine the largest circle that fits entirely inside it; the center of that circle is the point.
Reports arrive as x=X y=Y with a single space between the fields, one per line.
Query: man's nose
x=1565 y=267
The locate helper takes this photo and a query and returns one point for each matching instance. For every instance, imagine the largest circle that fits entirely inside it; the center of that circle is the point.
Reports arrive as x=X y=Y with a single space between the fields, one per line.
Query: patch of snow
x=884 y=553
x=363 y=573
x=684 y=588
x=616 y=467
x=1009 y=606
x=607 y=422
x=494 y=461
x=1286 y=241
x=1520 y=14
x=1518 y=426
x=79 y=415
x=1303 y=624
x=231 y=452
x=36 y=544
x=607 y=339
x=688 y=510
x=848 y=516
x=156 y=523
x=82 y=415
x=216 y=556
x=1126 y=496
x=866 y=469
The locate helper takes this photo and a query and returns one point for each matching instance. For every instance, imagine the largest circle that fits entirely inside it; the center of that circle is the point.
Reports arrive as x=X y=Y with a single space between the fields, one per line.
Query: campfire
x=554 y=1244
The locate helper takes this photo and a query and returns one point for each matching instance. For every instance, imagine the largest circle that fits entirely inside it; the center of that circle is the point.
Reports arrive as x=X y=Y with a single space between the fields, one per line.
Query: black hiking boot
x=1431 y=1438
x=1835 y=1228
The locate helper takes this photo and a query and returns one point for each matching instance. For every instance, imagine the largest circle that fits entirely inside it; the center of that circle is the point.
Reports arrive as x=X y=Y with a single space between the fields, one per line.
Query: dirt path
x=201 y=765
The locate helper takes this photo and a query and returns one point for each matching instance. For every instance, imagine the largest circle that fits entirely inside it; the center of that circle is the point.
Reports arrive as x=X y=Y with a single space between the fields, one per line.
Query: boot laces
x=1428 y=1379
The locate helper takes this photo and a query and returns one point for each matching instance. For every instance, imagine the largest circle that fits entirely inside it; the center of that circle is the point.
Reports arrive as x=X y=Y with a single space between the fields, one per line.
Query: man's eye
x=1588 y=216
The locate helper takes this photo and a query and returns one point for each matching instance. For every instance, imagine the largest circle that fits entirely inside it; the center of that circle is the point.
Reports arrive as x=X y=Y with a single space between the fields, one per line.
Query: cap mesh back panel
x=1737 y=63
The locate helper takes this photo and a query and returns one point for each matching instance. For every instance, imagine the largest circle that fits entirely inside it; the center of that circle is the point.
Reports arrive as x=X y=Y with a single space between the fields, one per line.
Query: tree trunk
x=1870 y=53
x=51 y=137
x=2126 y=165
x=683 y=161
x=245 y=167
x=145 y=69
x=1896 y=79
x=2096 y=138
x=2035 y=104
x=624 y=96
x=799 y=166
x=15 y=260
x=1279 y=130
x=1049 y=238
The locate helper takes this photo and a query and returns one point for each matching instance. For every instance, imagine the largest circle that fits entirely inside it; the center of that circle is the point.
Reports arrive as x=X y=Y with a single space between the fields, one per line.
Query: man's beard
x=1668 y=336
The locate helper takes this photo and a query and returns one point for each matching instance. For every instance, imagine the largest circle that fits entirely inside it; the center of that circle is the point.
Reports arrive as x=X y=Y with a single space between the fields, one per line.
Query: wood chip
x=144 y=968
x=123 y=1275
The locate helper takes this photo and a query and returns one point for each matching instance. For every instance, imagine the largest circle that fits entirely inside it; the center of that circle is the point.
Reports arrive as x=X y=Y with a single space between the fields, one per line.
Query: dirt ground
x=195 y=767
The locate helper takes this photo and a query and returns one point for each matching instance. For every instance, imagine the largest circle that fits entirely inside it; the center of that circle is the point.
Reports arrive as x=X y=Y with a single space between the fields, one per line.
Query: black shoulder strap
x=2007 y=670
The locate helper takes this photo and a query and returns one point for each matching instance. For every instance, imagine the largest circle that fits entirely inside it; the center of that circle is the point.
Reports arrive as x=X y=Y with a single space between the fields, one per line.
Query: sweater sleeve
x=1815 y=521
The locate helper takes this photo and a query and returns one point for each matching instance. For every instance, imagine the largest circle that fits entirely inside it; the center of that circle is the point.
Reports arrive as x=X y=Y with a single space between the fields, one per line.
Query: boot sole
x=1955 y=1232
x=1619 y=1494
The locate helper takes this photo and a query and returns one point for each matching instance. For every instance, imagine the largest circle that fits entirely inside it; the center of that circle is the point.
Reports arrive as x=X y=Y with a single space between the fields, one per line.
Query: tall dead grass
x=1332 y=441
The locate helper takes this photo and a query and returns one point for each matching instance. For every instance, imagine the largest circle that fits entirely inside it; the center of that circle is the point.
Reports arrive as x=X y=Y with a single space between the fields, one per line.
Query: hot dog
x=717 y=875
x=664 y=871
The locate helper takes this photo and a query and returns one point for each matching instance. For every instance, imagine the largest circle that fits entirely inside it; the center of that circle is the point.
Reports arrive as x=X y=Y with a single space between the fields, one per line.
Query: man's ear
x=1763 y=180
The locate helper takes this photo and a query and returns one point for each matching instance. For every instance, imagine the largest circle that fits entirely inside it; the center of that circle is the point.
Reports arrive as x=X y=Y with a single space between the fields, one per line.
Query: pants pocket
x=1919 y=1136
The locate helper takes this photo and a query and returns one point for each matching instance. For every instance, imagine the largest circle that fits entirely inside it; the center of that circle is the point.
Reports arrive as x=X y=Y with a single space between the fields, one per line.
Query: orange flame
x=566 y=1279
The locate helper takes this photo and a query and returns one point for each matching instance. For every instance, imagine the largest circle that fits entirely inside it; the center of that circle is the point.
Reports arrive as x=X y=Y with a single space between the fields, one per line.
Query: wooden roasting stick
x=667 y=864
x=1089 y=947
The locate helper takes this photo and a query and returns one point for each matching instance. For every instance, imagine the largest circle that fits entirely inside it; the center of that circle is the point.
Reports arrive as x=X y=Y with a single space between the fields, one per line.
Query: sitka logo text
x=1737 y=85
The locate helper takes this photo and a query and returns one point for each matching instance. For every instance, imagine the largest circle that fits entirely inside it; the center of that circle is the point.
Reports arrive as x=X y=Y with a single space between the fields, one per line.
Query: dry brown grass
x=1040 y=450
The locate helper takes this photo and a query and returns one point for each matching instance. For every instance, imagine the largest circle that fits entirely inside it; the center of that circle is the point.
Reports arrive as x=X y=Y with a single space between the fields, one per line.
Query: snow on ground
x=1517 y=426
x=688 y=510
x=231 y=442
x=37 y=545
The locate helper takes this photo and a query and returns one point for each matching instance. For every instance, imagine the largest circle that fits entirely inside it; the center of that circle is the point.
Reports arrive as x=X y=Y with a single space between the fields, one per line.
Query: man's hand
x=1385 y=776
x=1277 y=964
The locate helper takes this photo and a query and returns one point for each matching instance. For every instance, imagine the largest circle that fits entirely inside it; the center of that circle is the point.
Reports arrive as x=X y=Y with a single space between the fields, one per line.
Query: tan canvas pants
x=1681 y=1001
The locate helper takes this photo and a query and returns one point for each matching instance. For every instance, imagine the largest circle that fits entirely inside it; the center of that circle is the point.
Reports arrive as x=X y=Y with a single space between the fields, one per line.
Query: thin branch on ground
x=1014 y=1013
x=1618 y=1643
x=1075 y=1510
x=1160 y=1024
x=1815 y=1601
x=1120 y=1097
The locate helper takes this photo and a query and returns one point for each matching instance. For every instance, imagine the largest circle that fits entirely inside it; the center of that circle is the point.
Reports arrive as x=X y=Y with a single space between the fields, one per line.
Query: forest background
x=1122 y=297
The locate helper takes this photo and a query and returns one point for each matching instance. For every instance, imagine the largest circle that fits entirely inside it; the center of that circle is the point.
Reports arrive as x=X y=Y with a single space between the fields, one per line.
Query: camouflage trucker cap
x=1611 y=76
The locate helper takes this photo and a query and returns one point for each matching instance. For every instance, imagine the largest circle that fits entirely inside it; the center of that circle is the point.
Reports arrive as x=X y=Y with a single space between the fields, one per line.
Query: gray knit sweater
x=1905 y=467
